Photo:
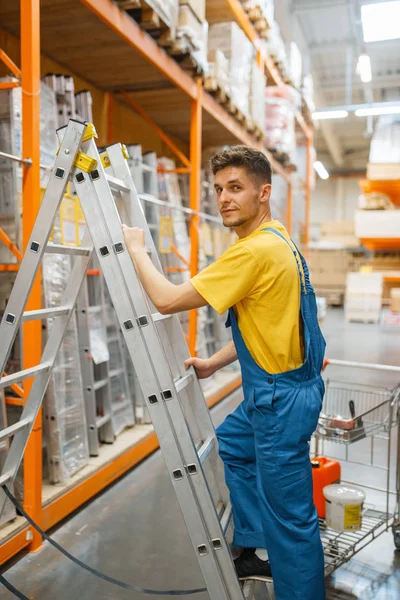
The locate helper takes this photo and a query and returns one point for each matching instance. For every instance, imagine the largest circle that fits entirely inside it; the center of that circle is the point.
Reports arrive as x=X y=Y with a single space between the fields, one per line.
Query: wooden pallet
x=212 y=86
x=148 y=19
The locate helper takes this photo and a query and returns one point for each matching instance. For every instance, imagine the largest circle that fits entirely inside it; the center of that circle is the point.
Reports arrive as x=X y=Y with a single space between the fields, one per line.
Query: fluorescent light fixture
x=381 y=21
x=364 y=68
x=376 y=112
x=329 y=114
x=320 y=169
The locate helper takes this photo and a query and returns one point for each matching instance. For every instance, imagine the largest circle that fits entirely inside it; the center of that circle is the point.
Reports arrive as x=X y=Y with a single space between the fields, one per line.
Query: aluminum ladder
x=155 y=343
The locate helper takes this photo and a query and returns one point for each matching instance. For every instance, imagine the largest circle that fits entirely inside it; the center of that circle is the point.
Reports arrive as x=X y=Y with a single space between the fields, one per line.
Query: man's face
x=238 y=196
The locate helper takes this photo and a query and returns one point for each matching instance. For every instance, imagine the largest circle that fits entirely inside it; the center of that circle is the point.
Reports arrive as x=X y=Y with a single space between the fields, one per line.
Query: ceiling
x=329 y=33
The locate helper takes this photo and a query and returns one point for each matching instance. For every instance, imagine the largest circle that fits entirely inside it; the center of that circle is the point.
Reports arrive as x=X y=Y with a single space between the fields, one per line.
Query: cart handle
x=359 y=365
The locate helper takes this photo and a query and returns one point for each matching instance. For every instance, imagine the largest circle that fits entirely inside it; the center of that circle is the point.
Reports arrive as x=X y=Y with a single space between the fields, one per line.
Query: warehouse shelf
x=375 y=244
x=390 y=187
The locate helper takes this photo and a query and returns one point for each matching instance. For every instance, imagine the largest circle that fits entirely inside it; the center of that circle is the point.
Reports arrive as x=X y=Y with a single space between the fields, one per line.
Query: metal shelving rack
x=207 y=122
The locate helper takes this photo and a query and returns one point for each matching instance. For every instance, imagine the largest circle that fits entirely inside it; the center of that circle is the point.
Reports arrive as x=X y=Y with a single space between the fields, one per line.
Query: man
x=263 y=281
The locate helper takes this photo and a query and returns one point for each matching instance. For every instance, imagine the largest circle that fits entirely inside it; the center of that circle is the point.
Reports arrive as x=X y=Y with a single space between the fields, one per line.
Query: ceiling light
x=381 y=21
x=375 y=112
x=320 y=169
x=329 y=114
x=364 y=68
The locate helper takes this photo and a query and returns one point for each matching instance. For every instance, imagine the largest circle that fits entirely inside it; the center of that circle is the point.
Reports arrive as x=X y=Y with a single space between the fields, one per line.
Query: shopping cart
x=358 y=425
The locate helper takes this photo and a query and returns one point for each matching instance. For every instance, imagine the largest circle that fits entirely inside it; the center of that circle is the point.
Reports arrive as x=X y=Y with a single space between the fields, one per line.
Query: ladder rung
x=183 y=382
x=100 y=384
x=100 y=421
x=12 y=430
x=112 y=338
x=115 y=372
x=6 y=477
x=22 y=375
x=160 y=317
x=61 y=249
x=94 y=309
x=206 y=448
x=121 y=406
x=45 y=313
x=117 y=185
x=226 y=517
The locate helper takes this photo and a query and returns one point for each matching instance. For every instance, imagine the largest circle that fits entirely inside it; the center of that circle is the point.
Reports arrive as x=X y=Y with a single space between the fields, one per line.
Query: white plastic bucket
x=343 y=507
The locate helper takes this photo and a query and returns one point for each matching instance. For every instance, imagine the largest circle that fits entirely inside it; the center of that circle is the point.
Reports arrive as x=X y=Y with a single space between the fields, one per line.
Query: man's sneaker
x=249 y=566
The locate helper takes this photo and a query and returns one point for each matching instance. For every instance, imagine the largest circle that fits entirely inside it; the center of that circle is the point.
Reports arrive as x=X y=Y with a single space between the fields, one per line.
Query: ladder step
x=100 y=384
x=183 y=382
x=100 y=421
x=74 y=250
x=117 y=185
x=6 y=477
x=45 y=313
x=160 y=317
x=94 y=309
x=206 y=448
x=226 y=517
x=115 y=372
x=22 y=375
x=12 y=430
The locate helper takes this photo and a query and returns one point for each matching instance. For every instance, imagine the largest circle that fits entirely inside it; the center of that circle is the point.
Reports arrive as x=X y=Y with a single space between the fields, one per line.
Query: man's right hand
x=202 y=367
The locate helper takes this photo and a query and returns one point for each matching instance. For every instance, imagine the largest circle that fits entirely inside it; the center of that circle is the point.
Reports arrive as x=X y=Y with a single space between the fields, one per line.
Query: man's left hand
x=134 y=238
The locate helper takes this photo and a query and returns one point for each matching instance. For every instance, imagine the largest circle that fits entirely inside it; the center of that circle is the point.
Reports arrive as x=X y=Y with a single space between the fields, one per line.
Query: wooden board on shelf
x=219 y=11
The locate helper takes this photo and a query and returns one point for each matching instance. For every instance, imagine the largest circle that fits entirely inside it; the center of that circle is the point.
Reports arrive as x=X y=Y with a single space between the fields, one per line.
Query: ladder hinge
x=105 y=160
x=90 y=132
x=125 y=152
x=85 y=162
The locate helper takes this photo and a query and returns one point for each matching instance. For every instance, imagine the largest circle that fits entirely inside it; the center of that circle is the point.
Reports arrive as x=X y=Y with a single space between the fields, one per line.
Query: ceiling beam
x=380 y=82
x=307 y=7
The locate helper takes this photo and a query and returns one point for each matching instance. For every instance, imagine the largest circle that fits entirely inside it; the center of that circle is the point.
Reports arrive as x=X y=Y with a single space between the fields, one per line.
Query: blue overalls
x=265 y=448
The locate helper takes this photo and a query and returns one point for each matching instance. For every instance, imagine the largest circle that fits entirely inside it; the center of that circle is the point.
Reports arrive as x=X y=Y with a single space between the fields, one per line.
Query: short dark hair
x=256 y=163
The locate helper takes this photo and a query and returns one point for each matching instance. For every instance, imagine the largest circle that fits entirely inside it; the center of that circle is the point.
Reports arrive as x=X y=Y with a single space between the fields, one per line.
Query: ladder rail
x=42 y=378
x=37 y=242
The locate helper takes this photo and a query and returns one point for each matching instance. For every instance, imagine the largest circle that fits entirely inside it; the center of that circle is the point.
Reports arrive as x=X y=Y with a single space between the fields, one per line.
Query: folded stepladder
x=155 y=343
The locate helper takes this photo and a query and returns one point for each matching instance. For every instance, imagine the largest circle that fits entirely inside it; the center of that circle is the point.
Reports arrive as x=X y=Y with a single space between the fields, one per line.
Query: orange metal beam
x=8 y=85
x=120 y=22
x=10 y=245
x=15 y=544
x=11 y=401
x=9 y=268
x=243 y=20
x=195 y=185
x=179 y=255
x=129 y=100
x=32 y=330
x=10 y=64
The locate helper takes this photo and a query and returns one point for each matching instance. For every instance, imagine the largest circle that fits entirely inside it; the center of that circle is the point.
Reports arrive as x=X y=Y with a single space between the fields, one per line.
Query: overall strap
x=303 y=271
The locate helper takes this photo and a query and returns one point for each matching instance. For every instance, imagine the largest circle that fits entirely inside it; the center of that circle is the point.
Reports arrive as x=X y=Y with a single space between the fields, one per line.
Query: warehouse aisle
x=135 y=532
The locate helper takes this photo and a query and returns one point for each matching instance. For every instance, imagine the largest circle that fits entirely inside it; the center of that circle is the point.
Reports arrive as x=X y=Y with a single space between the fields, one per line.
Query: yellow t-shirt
x=258 y=276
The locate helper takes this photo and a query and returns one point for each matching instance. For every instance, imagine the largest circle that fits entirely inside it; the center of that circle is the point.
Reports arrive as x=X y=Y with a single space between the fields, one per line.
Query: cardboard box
x=377 y=224
x=395 y=300
x=198 y=8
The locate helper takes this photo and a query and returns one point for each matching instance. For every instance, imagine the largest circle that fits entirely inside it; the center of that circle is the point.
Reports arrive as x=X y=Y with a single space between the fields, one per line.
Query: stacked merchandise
x=363 y=297
x=256 y=100
x=217 y=80
x=328 y=271
x=391 y=316
x=192 y=33
x=384 y=154
x=153 y=15
x=281 y=104
x=261 y=14
x=339 y=233
x=230 y=39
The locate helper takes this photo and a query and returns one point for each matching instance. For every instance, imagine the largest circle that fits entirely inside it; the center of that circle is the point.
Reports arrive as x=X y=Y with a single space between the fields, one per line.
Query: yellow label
x=166 y=235
x=366 y=269
x=352 y=516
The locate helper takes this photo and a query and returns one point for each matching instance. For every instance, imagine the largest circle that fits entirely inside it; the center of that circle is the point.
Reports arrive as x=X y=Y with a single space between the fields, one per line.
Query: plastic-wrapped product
x=218 y=69
x=385 y=143
x=233 y=42
x=281 y=102
x=257 y=94
x=196 y=32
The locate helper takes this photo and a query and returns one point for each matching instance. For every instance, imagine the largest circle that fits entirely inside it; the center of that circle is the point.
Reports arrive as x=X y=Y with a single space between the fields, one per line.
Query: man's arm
x=166 y=297
x=206 y=368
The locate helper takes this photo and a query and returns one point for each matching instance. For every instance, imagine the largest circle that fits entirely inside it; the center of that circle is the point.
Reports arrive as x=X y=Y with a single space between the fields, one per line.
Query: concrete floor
x=134 y=531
